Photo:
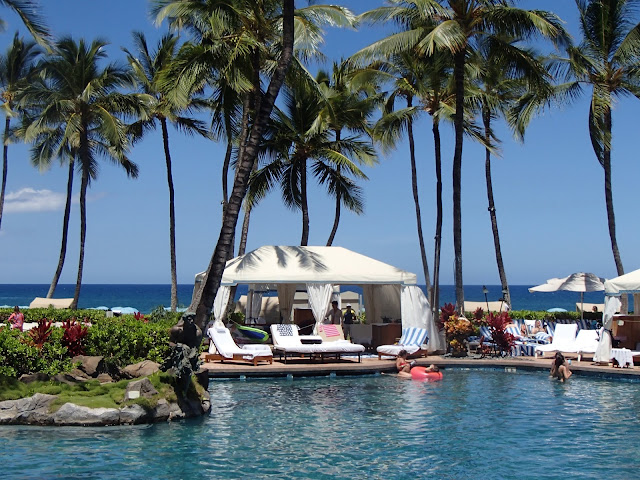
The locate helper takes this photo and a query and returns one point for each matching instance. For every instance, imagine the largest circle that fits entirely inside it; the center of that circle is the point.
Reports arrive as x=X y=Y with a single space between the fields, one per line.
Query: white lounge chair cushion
x=286 y=339
x=563 y=340
x=224 y=344
x=394 y=350
x=587 y=341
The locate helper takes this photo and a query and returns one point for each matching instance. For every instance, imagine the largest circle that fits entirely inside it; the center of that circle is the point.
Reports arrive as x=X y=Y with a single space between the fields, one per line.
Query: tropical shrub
x=457 y=329
x=18 y=356
x=503 y=340
x=74 y=337
x=39 y=335
x=125 y=340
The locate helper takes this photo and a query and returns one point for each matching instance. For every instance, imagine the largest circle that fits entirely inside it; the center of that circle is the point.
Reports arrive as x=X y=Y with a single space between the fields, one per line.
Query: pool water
x=474 y=424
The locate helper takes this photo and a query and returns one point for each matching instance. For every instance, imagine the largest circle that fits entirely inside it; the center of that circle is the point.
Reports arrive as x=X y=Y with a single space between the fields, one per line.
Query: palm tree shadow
x=294 y=257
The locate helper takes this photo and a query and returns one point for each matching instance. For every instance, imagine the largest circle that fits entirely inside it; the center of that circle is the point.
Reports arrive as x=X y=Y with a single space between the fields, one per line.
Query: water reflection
x=486 y=424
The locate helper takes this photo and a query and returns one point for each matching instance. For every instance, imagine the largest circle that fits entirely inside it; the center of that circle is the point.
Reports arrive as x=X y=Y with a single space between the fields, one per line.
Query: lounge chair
x=564 y=337
x=331 y=333
x=286 y=341
x=587 y=342
x=412 y=340
x=223 y=347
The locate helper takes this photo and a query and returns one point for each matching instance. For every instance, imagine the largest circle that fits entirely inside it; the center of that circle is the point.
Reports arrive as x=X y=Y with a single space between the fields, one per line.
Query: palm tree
x=344 y=107
x=147 y=68
x=297 y=137
x=607 y=62
x=239 y=41
x=27 y=11
x=247 y=35
x=74 y=114
x=15 y=66
x=456 y=26
x=504 y=73
x=422 y=82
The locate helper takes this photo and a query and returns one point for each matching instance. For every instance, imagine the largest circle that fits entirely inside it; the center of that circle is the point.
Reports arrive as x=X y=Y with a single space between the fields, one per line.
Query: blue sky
x=549 y=191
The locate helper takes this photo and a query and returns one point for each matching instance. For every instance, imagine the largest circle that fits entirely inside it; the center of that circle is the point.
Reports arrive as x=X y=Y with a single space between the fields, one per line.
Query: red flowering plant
x=39 y=335
x=140 y=316
x=503 y=340
x=74 y=337
x=458 y=329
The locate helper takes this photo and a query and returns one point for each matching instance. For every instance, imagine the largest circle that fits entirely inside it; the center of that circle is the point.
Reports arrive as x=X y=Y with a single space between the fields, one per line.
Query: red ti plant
x=478 y=315
x=448 y=310
x=39 y=335
x=503 y=340
x=73 y=337
x=140 y=316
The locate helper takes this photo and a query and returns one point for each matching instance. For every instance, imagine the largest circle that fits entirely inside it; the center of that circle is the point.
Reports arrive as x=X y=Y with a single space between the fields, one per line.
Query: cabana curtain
x=220 y=303
x=286 y=294
x=603 y=352
x=319 y=299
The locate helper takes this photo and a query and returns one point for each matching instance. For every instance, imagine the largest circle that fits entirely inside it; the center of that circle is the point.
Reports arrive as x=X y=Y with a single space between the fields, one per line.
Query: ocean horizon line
x=145 y=297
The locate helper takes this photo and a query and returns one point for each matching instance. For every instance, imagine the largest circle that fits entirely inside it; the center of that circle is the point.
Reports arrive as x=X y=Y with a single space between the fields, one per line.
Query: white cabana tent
x=321 y=268
x=628 y=283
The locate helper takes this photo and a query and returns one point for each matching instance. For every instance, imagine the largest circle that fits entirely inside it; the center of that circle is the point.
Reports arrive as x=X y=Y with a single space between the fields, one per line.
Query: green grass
x=90 y=394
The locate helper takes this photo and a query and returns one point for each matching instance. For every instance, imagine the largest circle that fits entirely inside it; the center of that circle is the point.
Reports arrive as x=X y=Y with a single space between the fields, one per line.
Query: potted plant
x=457 y=329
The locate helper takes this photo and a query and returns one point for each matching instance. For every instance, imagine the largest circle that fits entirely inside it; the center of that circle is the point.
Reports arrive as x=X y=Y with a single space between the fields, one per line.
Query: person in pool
x=403 y=365
x=560 y=368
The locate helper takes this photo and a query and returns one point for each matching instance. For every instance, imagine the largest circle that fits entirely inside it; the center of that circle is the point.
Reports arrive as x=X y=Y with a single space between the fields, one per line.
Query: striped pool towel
x=330 y=330
x=414 y=336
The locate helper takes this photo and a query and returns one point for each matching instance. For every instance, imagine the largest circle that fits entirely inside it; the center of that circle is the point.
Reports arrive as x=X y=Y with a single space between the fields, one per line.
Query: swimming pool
x=474 y=424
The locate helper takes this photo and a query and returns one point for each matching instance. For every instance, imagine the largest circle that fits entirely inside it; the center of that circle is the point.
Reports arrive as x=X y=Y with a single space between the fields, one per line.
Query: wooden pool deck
x=370 y=366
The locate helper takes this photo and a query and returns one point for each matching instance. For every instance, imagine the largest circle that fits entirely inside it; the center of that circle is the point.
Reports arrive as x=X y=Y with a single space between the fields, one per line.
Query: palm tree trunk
x=304 y=205
x=83 y=234
x=611 y=219
x=65 y=231
x=486 y=118
x=458 y=73
x=225 y=174
x=5 y=164
x=416 y=200
x=336 y=218
x=204 y=299
x=172 y=216
x=435 y=300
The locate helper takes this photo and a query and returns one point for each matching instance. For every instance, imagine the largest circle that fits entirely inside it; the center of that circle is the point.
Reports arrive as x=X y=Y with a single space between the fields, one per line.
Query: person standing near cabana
x=334 y=315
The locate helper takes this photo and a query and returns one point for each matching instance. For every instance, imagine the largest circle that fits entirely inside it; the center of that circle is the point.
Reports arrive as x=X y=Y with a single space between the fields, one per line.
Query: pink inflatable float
x=421 y=373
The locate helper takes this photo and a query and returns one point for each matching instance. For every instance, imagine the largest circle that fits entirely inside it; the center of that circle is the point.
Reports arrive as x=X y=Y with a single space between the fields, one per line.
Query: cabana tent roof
x=335 y=265
x=627 y=283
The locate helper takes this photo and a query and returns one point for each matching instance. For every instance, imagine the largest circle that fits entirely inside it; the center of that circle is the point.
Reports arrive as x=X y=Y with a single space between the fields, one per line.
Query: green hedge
x=18 y=357
x=126 y=340
x=120 y=340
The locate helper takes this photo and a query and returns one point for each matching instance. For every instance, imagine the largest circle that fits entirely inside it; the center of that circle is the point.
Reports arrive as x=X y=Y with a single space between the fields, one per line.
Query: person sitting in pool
x=403 y=365
x=560 y=368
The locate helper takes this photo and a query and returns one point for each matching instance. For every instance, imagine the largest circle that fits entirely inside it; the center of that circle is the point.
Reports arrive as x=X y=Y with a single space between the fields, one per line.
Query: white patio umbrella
x=576 y=282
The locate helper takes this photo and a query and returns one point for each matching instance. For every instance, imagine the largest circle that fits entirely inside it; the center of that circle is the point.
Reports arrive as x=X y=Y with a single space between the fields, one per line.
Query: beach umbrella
x=101 y=307
x=576 y=282
x=556 y=309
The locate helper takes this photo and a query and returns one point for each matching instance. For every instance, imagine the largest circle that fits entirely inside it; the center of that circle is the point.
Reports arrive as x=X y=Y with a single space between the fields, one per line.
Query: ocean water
x=147 y=297
x=476 y=424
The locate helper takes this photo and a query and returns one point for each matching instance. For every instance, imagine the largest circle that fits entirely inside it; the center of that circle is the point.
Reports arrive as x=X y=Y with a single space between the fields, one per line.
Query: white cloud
x=31 y=200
